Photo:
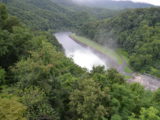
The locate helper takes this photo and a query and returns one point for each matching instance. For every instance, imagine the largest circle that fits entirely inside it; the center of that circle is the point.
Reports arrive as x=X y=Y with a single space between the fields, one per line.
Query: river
x=87 y=58
x=81 y=55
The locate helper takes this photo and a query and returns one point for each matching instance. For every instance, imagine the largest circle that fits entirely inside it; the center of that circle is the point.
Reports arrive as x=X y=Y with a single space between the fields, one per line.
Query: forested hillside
x=47 y=14
x=137 y=32
x=37 y=82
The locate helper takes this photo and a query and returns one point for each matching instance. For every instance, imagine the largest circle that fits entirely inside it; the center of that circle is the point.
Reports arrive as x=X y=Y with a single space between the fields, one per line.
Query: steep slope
x=46 y=14
x=136 y=31
x=99 y=13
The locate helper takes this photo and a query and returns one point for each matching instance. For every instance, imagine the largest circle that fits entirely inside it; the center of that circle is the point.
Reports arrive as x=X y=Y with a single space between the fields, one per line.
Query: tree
x=147 y=114
x=114 y=77
x=10 y=23
x=88 y=101
x=11 y=109
x=38 y=104
x=3 y=15
x=2 y=76
x=156 y=99
x=5 y=43
x=122 y=101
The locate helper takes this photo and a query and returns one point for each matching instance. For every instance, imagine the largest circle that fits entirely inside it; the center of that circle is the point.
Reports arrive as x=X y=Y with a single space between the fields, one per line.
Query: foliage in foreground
x=37 y=82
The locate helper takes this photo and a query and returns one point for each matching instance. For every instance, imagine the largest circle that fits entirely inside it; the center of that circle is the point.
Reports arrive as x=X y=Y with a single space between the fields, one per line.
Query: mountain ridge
x=109 y=4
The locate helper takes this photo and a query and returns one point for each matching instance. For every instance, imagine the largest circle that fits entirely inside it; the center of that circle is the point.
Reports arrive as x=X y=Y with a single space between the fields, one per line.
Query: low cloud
x=154 y=2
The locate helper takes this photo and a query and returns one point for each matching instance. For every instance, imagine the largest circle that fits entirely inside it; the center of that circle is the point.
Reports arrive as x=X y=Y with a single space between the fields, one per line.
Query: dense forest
x=137 y=32
x=37 y=81
x=46 y=14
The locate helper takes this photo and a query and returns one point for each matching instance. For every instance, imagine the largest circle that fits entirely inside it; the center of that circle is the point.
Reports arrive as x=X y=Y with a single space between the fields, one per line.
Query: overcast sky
x=155 y=2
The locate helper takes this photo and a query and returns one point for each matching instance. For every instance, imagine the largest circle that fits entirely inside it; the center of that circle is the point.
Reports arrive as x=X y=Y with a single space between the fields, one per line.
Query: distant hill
x=119 y=4
x=44 y=14
x=109 y=4
x=56 y=15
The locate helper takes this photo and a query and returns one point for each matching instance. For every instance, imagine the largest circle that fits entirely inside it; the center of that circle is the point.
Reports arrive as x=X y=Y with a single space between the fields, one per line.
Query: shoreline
x=112 y=62
x=149 y=82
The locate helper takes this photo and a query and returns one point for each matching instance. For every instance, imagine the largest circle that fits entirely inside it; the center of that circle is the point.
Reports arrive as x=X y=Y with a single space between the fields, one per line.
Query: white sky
x=155 y=2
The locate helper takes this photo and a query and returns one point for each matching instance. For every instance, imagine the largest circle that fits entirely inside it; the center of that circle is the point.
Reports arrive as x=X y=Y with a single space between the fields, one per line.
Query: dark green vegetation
x=45 y=14
x=37 y=82
x=137 y=32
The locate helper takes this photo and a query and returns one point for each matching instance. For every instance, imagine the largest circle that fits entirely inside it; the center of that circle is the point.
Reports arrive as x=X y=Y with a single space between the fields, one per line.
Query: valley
x=87 y=50
x=107 y=67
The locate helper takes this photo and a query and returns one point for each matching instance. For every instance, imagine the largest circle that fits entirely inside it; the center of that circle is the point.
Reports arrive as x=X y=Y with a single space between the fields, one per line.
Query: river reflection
x=81 y=55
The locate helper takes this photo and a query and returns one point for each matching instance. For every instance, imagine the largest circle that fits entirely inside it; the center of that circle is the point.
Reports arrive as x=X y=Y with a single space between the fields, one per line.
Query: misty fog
x=114 y=4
